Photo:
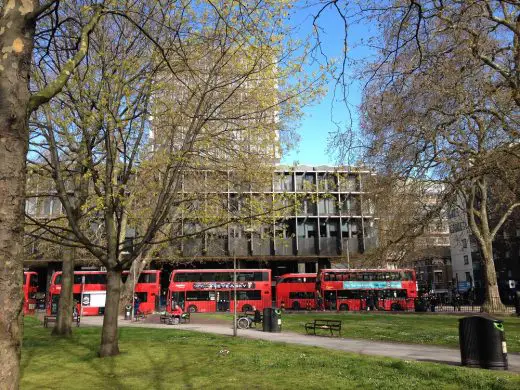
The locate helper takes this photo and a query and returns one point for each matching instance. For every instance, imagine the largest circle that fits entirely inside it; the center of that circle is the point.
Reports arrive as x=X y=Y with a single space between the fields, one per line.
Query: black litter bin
x=482 y=343
x=266 y=320
x=276 y=320
x=128 y=312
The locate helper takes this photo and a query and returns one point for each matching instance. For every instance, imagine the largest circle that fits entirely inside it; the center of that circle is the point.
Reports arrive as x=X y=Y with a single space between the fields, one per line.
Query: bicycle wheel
x=243 y=323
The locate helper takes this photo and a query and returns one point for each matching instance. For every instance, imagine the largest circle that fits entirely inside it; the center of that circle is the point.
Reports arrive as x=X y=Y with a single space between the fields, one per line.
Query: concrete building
x=326 y=221
x=466 y=256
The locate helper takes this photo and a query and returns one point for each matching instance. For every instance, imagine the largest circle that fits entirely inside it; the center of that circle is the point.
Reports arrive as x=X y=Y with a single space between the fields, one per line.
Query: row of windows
x=89 y=279
x=143 y=278
x=330 y=181
x=102 y=278
x=368 y=276
x=298 y=280
x=242 y=295
x=302 y=295
x=220 y=276
x=363 y=294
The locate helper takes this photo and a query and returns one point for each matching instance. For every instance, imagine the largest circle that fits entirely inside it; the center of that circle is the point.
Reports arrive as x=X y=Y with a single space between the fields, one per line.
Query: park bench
x=139 y=316
x=52 y=319
x=168 y=318
x=326 y=325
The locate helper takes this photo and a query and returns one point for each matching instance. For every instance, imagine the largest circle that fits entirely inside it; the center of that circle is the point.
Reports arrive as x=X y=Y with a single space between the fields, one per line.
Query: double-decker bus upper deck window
x=407 y=275
x=250 y=276
x=187 y=277
x=223 y=276
x=179 y=277
x=95 y=279
x=207 y=276
x=194 y=277
x=147 y=278
x=33 y=281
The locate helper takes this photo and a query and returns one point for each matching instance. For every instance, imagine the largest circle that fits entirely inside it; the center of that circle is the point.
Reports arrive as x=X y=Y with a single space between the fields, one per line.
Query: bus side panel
x=151 y=293
x=201 y=306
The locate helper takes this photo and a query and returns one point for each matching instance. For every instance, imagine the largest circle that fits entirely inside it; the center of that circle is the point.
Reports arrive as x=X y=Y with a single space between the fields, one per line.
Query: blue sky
x=321 y=119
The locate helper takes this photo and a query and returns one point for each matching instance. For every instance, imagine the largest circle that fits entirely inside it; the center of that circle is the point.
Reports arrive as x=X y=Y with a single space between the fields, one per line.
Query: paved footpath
x=426 y=353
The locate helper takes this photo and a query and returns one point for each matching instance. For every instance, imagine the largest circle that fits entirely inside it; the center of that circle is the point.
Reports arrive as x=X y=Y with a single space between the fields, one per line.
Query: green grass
x=172 y=358
x=429 y=329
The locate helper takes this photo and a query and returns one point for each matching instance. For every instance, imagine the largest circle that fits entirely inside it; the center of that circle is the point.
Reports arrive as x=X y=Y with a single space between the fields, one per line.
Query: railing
x=462 y=306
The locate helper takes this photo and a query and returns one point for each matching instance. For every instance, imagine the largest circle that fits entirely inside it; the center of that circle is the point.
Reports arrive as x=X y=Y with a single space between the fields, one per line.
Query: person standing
x=137 y=302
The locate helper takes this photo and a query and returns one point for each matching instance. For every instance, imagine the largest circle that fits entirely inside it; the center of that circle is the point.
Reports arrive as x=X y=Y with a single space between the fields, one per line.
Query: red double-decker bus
x=212 y=290
x=90 y=291
x=296 y=291
x=147 y=289
x=362 y=289
x=30 y=288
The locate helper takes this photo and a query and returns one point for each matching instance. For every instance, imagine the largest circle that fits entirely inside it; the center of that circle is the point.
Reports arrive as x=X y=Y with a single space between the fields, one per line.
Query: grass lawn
x=434 y=329
x=172 y=358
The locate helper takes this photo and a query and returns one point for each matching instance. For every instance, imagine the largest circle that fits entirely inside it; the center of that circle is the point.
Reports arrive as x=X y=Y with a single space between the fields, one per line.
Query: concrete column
x=301 y=267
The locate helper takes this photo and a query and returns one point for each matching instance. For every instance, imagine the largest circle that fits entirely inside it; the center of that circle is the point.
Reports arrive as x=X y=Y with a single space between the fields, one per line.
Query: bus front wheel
x=343 y=307
x=192 y=308
x=396 y=307
x=295 y=306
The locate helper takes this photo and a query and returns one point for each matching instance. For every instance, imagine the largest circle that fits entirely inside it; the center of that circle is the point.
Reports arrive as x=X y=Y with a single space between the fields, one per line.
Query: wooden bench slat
x=331 y=325
x=52 y=318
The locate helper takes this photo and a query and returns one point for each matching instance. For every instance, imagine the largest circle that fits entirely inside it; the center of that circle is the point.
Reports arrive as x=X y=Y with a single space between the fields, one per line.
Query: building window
x=306 y=229
x=468 y=276
x=464 y=243
x=344 y=229
x=466 y=260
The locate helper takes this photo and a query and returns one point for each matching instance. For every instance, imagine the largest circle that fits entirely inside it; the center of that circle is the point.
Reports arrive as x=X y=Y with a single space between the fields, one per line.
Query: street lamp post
x=133 y=295
x=348 y=253
x=234 y=294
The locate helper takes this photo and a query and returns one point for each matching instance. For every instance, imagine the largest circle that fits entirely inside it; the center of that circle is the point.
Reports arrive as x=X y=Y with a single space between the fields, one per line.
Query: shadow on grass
x=439 y=361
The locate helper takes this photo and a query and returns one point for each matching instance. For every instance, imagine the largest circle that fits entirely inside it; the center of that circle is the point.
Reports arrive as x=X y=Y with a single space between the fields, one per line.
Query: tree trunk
x=16 y=51
x=63 y=325
x=492 y=302
x=128 y=287
x=109 y=334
